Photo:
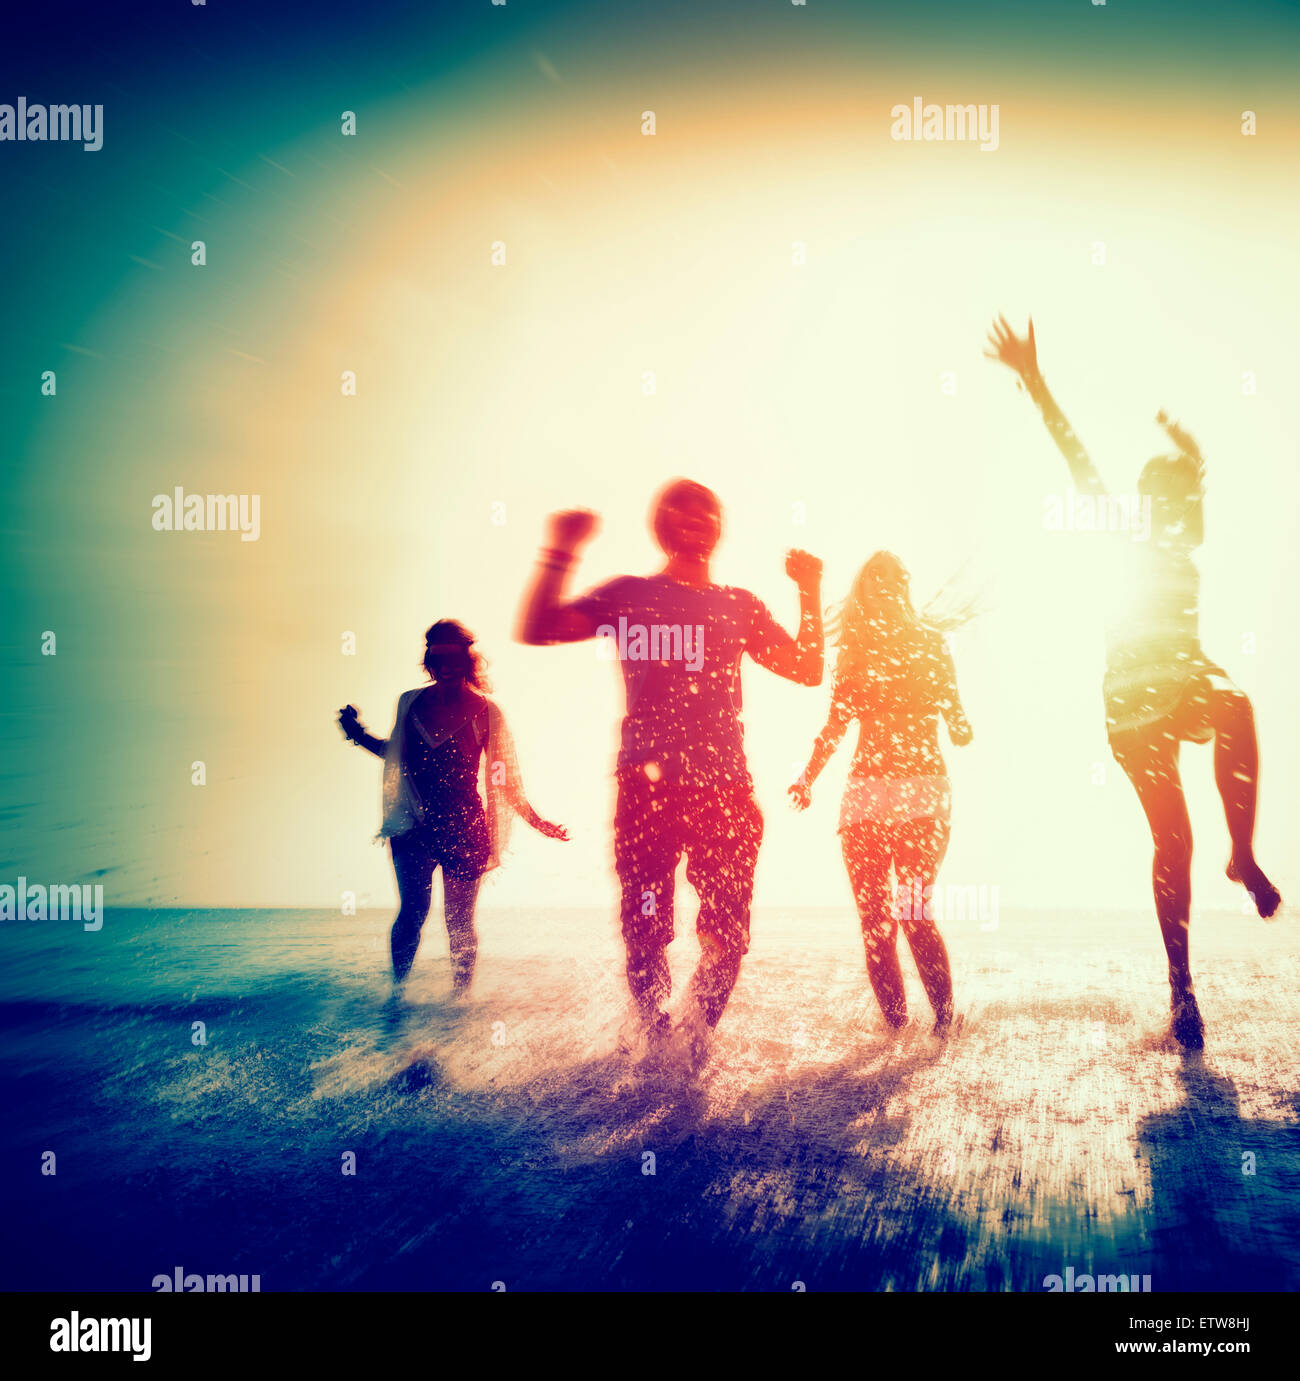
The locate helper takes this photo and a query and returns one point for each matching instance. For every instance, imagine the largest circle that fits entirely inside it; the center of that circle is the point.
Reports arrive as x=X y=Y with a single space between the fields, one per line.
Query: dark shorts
x=1153 y=709
x=716 y=823
x=456 y=841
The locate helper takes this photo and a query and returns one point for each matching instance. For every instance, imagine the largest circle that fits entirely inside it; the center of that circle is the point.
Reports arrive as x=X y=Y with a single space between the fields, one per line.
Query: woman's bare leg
x=919 y=847
x=867 y=858
x=458 y=898
x=414 y=872
x=1236 y=773
x=1153 y=770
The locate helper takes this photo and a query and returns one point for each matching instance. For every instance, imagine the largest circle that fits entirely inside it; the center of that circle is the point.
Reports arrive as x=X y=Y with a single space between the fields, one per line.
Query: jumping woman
x=433 y=814
x=1160 y=688
x=894 y=675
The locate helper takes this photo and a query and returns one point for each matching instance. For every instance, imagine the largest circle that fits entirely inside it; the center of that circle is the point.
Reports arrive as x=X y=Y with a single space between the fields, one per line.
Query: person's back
x=897 y=695
x=683 y=784
x=680 y=648
x=433 y=814
x=894 y=675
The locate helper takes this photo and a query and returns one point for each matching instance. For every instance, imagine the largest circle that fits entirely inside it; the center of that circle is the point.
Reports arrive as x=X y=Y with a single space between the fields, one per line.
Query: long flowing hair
x=880 y=601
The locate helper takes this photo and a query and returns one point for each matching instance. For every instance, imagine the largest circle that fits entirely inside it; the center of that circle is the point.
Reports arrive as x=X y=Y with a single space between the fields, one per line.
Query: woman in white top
x=433 y=814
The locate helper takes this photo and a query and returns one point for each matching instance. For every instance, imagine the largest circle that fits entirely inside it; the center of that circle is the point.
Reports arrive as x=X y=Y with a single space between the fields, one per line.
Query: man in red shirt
x=683 y=783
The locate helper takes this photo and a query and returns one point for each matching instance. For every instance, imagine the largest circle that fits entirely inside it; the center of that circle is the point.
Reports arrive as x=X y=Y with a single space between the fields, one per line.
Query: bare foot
x=1185 y=1020
x=693 y=1041
x=644 y=1036
x=1246 y=871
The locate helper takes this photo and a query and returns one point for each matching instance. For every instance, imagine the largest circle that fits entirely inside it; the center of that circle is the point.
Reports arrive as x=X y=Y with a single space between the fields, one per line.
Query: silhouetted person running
x=683 y=783
x=1160 y=688
x=895 y=676
x=433 y=814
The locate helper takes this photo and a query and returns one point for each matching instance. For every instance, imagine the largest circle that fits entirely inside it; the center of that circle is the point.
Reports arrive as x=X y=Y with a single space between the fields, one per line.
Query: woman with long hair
x=433 y=814
x=895 y=676
x=1160 y=688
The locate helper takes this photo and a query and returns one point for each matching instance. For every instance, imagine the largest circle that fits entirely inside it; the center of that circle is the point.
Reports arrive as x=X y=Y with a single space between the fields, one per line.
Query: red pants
x=716 y=823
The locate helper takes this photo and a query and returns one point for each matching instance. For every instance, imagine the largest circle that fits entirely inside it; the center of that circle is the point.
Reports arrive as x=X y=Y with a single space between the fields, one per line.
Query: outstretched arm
x=530 y=817
x=354 y=733
x=1022 y=356
x=544 y=616
x=504 y=781
x=800 y=658
x=519 y=803
x=830 y=738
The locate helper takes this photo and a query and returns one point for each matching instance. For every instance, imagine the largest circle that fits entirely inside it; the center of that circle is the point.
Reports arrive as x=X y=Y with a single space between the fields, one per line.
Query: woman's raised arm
x=1021 y=355
x=354 y=733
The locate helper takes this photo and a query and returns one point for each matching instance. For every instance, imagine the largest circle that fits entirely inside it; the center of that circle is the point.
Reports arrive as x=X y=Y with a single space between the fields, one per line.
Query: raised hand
x=571 y=529
x=349 y=723
x=1180 y=438
x=804 y=569
x=1020 y=354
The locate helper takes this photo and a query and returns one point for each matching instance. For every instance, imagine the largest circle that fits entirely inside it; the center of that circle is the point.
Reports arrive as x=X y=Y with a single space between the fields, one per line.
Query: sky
x=768 y=294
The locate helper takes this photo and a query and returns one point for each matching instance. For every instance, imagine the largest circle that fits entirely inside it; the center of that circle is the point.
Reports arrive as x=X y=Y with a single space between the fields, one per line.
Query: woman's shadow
x=1224 y=1190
